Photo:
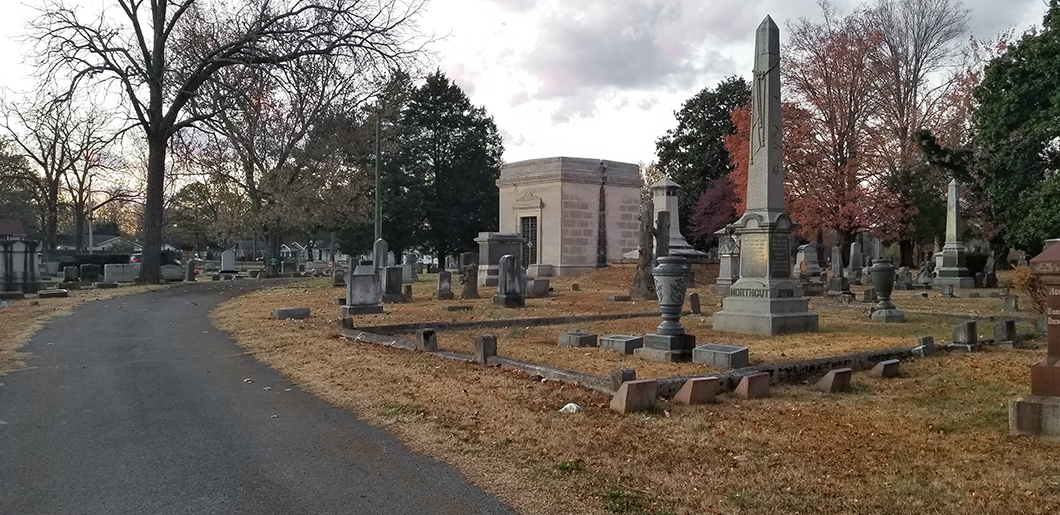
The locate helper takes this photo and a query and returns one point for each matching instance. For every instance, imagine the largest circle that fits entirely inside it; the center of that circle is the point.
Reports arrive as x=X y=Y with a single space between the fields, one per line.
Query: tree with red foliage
x=715 y=208
x=837 y=180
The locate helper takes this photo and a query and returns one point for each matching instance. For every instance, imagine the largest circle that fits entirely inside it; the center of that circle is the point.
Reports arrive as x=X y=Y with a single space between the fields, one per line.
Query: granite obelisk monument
x=953 y=270
x=765 y=300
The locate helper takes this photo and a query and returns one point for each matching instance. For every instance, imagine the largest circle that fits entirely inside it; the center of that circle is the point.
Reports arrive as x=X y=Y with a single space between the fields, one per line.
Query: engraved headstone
x=469 y=280
x=838 y=283
x=806 y=262
x=363 y=295
x=765 y=300
x=391 y=284
x=379 y=254
x=509 y=284
x=445 y=286
x=228 y=262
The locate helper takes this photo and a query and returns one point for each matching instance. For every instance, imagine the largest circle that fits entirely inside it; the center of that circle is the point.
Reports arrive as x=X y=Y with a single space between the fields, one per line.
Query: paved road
x=138 y=405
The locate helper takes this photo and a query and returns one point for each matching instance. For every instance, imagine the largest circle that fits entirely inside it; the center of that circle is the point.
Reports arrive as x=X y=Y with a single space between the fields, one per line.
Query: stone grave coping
x=787 y=372
x=599 y=384
x=502 y=323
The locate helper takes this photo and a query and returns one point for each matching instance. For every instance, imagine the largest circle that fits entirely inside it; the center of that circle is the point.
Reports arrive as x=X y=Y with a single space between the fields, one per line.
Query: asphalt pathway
x=139 y=405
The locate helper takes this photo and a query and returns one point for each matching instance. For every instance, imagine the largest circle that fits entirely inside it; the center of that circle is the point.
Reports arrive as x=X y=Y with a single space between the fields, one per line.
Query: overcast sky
x=592 y=78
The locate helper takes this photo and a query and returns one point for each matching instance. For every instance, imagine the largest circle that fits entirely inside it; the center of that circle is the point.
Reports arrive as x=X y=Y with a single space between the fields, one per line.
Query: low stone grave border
x=786 y=372
x=347 y=323
x=592 y=382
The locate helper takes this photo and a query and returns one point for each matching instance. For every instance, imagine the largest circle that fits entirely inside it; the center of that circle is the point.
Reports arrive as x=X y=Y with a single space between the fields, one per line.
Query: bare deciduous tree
x=917 y=40
x=142 y=48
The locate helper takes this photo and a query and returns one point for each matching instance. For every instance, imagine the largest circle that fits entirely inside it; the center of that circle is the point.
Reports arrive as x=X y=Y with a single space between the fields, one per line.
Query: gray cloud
x=591 y=48
x=585 y=49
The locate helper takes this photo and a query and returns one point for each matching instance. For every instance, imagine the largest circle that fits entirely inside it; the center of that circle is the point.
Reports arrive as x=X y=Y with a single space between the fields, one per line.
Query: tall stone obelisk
x=765 y=300
x=953 y=270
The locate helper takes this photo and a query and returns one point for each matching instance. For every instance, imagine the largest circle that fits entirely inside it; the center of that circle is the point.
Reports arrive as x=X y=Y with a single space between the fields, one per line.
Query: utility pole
x=378 y=182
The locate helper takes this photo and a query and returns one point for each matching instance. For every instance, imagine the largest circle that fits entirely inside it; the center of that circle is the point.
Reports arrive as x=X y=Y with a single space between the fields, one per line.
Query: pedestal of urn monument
x=1038 y=414
x=669 y=343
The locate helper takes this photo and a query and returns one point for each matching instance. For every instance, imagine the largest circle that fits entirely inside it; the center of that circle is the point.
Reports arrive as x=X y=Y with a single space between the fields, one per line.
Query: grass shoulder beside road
x=23 y=318
x=934 y=440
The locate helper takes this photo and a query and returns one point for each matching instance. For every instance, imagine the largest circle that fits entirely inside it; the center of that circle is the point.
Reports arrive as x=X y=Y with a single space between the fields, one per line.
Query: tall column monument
x=765 y=300
x=953 y=270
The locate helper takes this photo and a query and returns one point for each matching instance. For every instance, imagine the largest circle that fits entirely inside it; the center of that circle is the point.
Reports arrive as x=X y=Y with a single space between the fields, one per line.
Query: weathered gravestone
x=765 y=300
x=70 y=274
x=509 y=284
x=469 y=280
x=189 y=271
x=855 y=264
x=228 y=262
x=171 y=272
x=121 y=273
x=838 y=283
x=492 y=247
x=806 y=262
x=363 y=295
x=728 y=261
x=445 y=286
x=391 y=284
x=380 y=254
x=1038 y=414
x=90 y=273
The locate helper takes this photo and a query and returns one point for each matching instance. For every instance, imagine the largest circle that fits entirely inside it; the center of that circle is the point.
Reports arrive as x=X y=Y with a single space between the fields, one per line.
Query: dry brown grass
x=23 y=318
x=932 y=441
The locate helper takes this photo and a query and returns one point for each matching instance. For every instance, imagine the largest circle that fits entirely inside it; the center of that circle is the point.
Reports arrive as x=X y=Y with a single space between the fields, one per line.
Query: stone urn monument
x=669 y=343
x=882 y=274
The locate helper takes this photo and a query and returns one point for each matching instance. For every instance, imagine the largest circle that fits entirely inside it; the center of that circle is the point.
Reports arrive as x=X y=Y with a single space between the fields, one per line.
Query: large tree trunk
x=79 y=227
x=272 y=250
x=906 y=249
x=156 y=173
x=52 y=217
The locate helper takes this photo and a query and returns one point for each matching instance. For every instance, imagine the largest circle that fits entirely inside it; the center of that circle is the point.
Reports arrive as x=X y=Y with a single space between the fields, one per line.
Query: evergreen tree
x=1016 y=135
x=693 y=154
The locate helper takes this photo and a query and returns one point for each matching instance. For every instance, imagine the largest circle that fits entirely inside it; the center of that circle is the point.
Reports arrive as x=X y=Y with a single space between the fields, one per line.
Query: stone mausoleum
x=575 y=214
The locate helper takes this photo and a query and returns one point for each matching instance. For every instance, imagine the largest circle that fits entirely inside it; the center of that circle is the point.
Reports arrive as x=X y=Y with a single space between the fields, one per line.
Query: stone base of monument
x=509 y=301
x=395 y=298
x=956 y=282
x=888 y=315
x=765 y=316
x=444 y=295
x=1035 y=415
x=361 y=310
x=667 y=348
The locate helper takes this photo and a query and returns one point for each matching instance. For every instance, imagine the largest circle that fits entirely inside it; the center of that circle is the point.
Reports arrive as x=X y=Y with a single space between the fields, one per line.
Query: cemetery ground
x=21 y=319
x=934 y=439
